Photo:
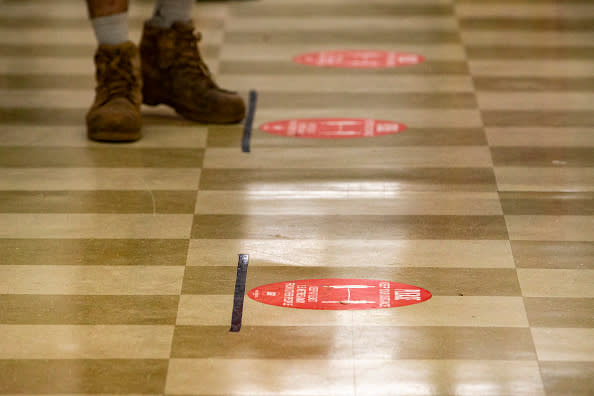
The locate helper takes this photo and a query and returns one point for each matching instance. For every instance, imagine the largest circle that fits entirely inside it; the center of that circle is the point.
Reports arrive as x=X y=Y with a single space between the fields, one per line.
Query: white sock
x=169 y=11
x=112 y=29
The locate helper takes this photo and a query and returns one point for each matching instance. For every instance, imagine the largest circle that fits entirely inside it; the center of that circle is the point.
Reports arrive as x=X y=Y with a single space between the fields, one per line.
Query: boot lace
x=189 y=59
x=116 y=75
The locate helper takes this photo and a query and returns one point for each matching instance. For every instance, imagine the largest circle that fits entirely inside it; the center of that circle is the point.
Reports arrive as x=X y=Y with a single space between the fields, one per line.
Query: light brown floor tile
x=353 y=253
x=439 y=281
x=551 y=255
x=331 y=37
x=567 y=378
x=155 y=136
x=547 y=203
x=527 y=38
x=237 y=23
x=81 y=179
x=533 y=84
x=560 y=312
x=532 y=24
x=100 y=157
x=94 y=251
x=348 y=227
x=543 y=156
x=387 y=179
x=314 y=84
x=94 y=376
x=556 y=282
x=259 y=377
x=554 y=101
x=520 y=118
x=550 y=228
x=88 y=310
x=84 y=342
x=279 y=67
x=347 y=10
x=125 y=226
x=89 y=280
x=263 y=342
x=344 y=203
x=540 y=137
x=448 y=377
x=348 y=158
x=530 y=52
x=514 y=178
x=97 y=201
x=471 y=312
x=531 y=68
x=575 y=345
x=231 y=136
x=358 y=100
x=524 y=10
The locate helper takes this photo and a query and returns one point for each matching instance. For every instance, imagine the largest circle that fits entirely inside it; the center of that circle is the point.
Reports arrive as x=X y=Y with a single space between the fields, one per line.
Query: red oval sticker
x=339 y=294
x=333 y=128
x=359 y=59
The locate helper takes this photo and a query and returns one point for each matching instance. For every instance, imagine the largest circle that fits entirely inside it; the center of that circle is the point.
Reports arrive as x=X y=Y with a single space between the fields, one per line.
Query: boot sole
x=193 y=116
x=114 y=136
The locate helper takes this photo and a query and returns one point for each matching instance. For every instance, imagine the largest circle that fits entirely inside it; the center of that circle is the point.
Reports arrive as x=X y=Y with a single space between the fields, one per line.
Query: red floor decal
x=333 y=128
x=339 y=294
x=362 y=59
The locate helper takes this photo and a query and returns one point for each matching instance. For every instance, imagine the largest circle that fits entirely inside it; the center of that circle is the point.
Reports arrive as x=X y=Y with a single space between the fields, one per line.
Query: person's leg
x=115 y=113
x=110 y=20
x=174 y=73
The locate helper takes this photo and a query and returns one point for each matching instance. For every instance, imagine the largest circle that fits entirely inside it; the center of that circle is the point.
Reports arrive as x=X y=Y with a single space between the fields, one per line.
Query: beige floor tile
x=313 y=83
x=347 y=253
x=345 y=203
x=550 y=228
x=88 y=179
x=84 y=342
x=553 y=255
x=535 y=101
x=556 y=282
x=260 y=377
x=567 y=378
x=445 y=377
x=348 y=158
x=532 y=68
x=209 y=310
x=512 y=178
x=74 y=136
x=576 y=345
x=560 y=312
x=536 y=137
x=170 y=226
x=89 y=280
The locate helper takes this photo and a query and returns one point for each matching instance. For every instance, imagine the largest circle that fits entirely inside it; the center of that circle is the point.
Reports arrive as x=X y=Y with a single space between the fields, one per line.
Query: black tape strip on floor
x=242 y=267
x=249 y=120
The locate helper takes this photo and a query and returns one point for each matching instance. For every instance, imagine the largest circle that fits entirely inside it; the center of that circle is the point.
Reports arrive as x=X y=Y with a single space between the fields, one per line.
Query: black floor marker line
x=242 y=267
x=249 y=120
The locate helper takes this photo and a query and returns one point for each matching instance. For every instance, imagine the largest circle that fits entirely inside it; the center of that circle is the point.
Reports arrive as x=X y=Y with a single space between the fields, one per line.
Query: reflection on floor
x=118 y=262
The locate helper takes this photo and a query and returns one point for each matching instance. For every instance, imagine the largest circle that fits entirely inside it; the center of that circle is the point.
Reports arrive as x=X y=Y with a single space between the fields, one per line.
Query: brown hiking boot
x=115 y=114
x=173 y=73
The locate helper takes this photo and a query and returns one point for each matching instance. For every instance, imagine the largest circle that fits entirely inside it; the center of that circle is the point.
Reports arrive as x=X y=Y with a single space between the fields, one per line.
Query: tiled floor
x=118 y=262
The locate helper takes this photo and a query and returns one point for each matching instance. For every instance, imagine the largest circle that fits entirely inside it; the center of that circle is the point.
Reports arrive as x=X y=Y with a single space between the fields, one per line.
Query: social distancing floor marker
x=359 y=59
x=332 y=128
x=339 y=294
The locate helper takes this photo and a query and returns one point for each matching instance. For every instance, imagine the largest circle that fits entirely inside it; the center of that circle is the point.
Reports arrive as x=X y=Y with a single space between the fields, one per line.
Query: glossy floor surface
x=118 y=262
